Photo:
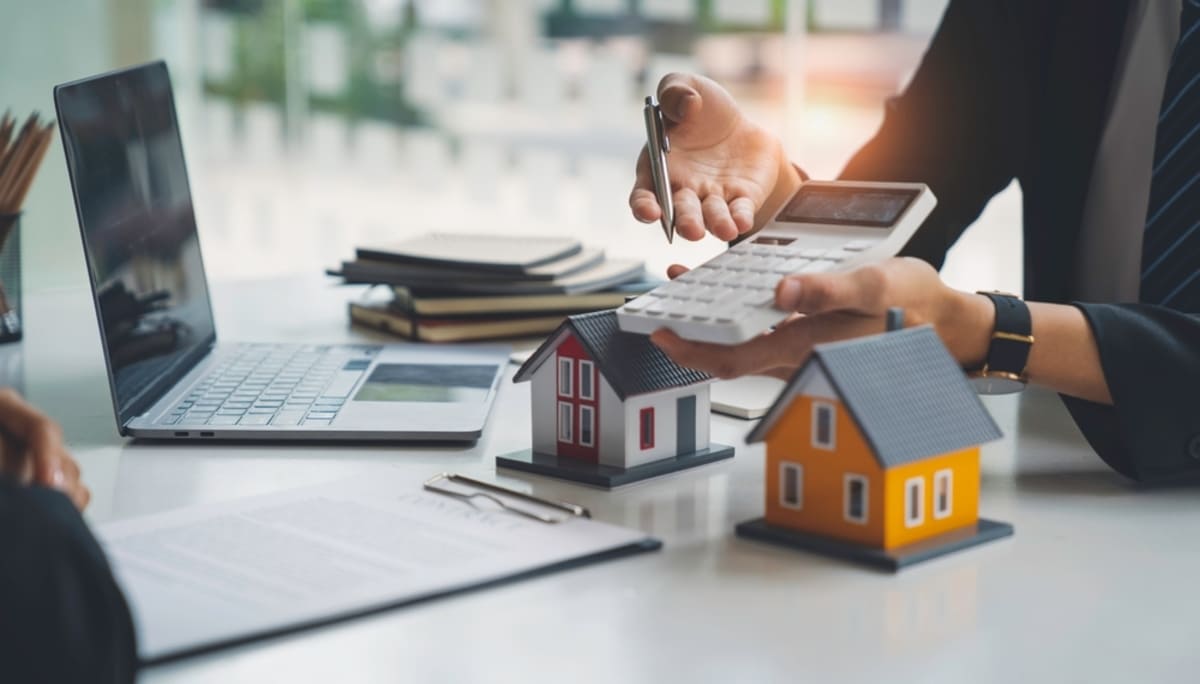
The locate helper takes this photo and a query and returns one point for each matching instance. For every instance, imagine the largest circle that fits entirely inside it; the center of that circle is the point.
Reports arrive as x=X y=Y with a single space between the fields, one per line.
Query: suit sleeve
x=960 y=126
x=1151 y=359
x=62 y=617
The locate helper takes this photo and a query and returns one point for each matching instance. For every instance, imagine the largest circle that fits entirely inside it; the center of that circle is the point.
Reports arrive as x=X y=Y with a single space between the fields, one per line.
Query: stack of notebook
x=452 y=287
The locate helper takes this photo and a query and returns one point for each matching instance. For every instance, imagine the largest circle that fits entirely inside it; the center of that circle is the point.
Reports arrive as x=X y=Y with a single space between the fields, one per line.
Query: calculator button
x=819 y=266
x=812 y=253
x=636 y=306
x=673 y=289
x=761 y=298
x=838 y=255
x=793 y=266
x=657 y=308
x=859 y=245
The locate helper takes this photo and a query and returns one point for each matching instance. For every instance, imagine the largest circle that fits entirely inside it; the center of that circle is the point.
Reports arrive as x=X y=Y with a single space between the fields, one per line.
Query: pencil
x=20 y=159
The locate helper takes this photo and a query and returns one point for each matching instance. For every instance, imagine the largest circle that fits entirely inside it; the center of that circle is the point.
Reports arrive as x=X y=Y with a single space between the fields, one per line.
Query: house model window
x=646 y=428
x=943 y=481
x=856 y=499
x=587 y=374
x=565 y=433
x=587 y=426
x=822 y=425
x=791 y=493
x=914 y=501
x=565 y=368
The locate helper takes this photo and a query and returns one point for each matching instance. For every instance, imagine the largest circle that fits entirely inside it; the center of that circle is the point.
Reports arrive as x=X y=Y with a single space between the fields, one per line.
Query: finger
x=742 y=211
x=46 y=453
x=758 y=355
x=783 y=373
x=717 y=218
x=679 y=96
x=82 y=497
x=689 y=217
x=642 y=199
x=676 y=270
x=862 y=290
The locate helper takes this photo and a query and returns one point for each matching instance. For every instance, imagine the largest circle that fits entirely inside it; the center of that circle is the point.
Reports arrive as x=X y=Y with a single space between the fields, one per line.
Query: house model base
x=606 y=476
x=981 y=532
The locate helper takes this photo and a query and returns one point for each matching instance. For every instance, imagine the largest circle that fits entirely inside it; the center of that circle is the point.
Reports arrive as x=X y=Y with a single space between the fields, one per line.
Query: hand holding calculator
x=825 y=226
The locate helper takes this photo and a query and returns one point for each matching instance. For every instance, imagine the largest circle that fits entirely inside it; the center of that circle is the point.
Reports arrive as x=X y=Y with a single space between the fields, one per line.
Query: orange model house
x=873 y=453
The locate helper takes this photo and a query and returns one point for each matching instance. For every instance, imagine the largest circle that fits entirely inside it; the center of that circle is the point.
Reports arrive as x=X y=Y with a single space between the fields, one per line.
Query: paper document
x=223 y=573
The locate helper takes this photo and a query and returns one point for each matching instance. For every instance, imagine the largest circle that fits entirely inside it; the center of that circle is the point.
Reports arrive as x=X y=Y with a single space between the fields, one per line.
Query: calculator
x=825 y=226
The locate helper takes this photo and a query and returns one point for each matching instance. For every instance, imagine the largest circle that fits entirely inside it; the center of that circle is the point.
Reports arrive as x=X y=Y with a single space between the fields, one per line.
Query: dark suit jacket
x=62 y=617
x=1020 y=89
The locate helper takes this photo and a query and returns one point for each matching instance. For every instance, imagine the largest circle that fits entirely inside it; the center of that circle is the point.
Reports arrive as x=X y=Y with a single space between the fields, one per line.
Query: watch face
x=996 y=384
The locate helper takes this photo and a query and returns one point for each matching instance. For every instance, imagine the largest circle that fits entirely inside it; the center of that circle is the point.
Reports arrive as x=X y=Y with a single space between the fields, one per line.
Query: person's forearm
x=1064 y=356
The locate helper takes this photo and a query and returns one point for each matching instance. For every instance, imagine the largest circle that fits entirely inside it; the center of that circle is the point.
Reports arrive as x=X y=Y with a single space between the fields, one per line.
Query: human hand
x=728 y=174
x=33 y=449
x=838 y=306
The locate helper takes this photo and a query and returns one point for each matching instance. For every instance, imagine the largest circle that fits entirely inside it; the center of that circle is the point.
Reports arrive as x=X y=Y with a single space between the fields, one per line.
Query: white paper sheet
x=218 y=573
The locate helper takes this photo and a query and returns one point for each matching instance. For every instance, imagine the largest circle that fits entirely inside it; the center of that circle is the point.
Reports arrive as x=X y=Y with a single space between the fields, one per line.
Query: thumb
x=697 y=109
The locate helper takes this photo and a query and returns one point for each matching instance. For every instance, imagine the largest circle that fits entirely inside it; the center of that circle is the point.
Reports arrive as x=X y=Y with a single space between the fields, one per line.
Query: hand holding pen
x=723 y=173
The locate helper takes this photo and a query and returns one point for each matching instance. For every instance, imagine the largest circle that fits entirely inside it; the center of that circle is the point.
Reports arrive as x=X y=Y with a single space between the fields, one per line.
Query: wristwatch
x=1003 y=370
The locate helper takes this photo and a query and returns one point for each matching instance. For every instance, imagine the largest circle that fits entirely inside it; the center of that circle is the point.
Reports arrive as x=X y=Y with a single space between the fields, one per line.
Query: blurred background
x=315 y=125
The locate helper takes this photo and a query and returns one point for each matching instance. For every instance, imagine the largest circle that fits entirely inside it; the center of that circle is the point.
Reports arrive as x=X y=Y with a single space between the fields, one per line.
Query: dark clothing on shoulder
x=62 y=617
x=1019 y=89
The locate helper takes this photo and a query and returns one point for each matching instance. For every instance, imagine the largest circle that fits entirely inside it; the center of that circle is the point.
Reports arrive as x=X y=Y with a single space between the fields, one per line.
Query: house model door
x=685 y=424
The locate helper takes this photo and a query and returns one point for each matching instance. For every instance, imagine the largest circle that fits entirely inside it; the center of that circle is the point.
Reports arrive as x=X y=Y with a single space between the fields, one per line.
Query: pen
x=657 y=147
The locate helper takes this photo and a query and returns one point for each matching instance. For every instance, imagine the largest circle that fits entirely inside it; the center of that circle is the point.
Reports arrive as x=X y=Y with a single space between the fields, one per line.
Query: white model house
x=610 y=397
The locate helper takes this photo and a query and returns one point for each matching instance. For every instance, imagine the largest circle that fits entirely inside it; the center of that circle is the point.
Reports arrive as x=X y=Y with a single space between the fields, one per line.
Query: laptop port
x=206 y=434
x=181 y=434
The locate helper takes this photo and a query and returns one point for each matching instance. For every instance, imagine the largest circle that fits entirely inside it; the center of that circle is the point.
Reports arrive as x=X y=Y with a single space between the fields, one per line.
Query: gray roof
x=630 y=362
x=904 y=390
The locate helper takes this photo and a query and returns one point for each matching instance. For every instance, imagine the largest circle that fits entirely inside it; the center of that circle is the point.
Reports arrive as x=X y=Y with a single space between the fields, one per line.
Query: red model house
x=615 y=401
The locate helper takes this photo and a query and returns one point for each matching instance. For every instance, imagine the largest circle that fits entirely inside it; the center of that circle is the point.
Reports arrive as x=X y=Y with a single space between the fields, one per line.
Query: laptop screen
x=135 y=212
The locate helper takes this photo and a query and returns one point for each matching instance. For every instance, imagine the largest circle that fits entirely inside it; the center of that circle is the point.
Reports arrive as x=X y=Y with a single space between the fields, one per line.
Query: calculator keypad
x=734 y=291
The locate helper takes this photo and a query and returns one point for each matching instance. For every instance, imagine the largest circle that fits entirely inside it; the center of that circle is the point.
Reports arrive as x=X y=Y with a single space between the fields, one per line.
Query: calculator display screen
x=848 y=206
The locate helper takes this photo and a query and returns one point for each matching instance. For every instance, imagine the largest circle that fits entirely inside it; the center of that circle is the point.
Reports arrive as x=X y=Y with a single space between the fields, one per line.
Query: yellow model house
x=874 y=445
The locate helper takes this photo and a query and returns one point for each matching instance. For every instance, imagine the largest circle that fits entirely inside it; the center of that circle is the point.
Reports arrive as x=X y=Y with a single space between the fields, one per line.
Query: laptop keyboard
x=273 y=385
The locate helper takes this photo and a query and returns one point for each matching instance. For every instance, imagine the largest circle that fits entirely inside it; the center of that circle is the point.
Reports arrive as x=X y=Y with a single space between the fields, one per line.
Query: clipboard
x=179 y=614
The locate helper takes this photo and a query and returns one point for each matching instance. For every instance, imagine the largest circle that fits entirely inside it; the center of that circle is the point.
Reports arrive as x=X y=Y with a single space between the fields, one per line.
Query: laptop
x=170 y=377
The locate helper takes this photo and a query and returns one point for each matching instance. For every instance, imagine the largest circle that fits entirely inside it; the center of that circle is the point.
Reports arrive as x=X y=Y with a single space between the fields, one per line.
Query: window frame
x=944 y=475
x=587 y=369
x=817 y=407
x=587 y=427
x=566 y=379
x=784 y=468
x=569 y=432
x=646 y=429
x=914 y=518
x=847 y=480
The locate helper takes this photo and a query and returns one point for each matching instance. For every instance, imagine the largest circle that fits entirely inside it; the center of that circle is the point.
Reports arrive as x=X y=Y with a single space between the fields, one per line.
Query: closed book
x=603 y=276
x=450 y=305
x=483 y=252
x=383 y=317
x=367 y=268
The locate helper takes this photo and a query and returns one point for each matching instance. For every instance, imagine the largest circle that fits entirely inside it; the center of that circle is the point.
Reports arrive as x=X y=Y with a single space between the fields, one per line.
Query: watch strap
x=1012 y=335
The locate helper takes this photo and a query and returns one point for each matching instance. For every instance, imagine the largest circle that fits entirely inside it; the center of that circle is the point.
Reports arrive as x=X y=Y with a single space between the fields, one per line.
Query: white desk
x=1097 y=584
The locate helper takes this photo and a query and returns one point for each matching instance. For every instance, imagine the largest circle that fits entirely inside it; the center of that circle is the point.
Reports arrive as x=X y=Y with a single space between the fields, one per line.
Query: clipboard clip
x=489 y=491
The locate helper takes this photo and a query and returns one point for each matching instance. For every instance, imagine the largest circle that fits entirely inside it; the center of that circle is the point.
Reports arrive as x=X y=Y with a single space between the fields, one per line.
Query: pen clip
x=661 y=125
x=490 y=490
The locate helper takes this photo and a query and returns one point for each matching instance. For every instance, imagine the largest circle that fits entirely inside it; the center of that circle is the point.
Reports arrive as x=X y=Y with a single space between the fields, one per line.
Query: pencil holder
x=10 y=278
